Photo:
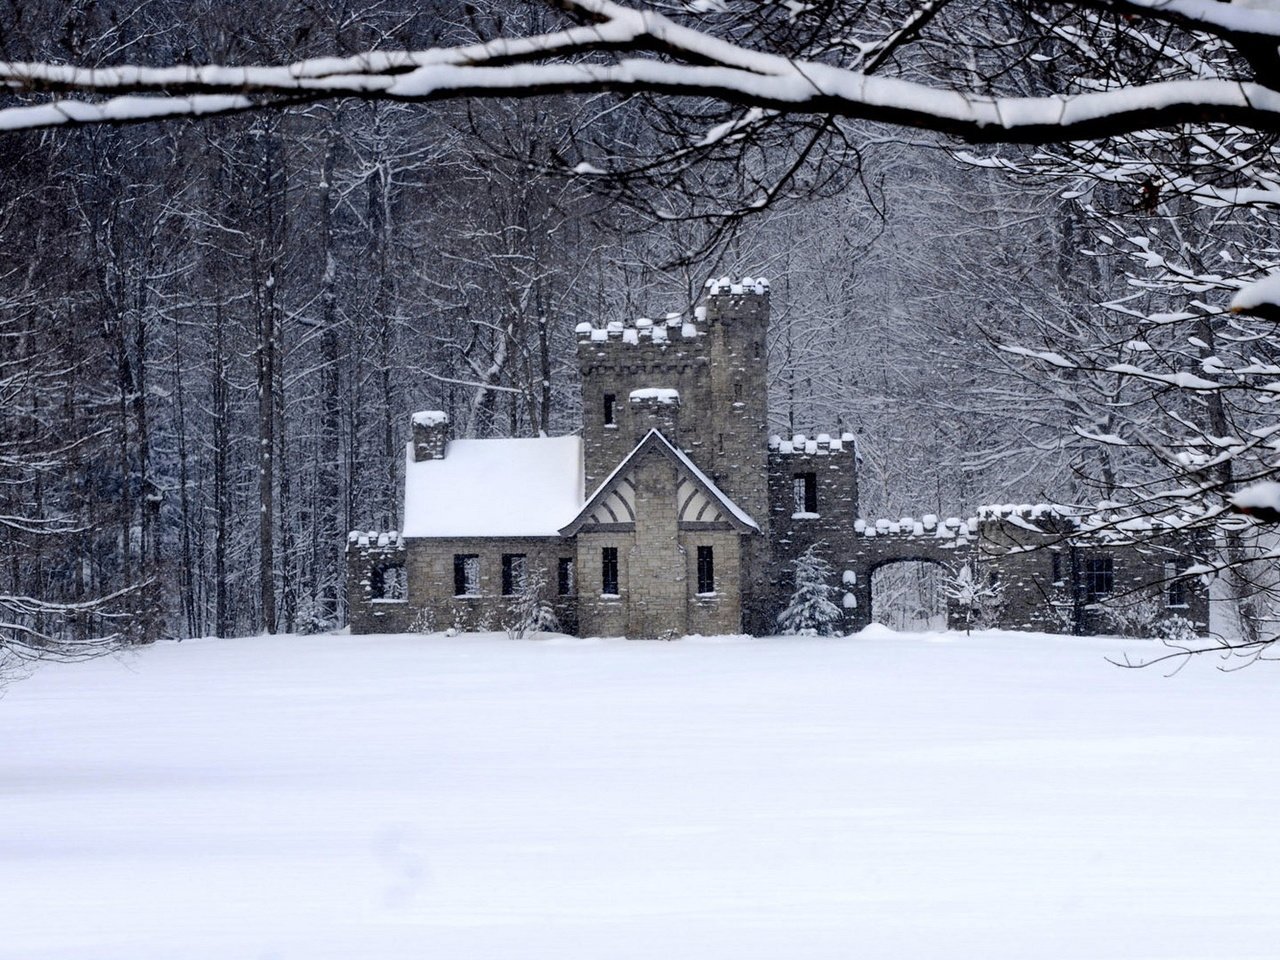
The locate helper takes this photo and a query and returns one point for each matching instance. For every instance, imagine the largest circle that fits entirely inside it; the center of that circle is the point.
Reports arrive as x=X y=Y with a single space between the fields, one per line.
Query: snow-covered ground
x=994 y=796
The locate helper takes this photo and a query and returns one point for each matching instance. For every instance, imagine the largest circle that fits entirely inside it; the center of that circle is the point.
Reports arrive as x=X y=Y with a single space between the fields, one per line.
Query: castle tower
x=625 y=367
x=737 y=320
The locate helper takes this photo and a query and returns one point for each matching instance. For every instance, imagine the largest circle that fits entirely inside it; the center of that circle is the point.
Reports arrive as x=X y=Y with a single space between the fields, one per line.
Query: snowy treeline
x=214 y=332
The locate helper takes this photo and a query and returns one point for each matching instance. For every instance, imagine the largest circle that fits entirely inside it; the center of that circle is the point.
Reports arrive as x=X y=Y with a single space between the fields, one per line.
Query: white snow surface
x=494 y=488
x=1265 y=494
x=1261 y=293
x=400 y=797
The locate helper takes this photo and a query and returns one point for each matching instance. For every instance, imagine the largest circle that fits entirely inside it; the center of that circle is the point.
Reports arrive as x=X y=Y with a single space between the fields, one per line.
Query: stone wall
x=1016 y=548
x=601 y=615
x=721 y=612
x=431 y=604
x=834 y=466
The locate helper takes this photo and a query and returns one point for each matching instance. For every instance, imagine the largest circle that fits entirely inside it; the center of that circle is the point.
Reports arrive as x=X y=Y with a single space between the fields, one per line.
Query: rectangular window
x=610 y=400
x=1057 y=567
x=566 y=581
x=1175 y=585
x=1099 y=577
x=706 y=570
x=466 y=575
x=609 y=571
x=512 y=574
x=804 y=488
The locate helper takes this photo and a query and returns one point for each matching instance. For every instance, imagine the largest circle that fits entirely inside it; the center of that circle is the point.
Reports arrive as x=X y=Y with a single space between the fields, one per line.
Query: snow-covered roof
x=494 y=488
x=654 y=438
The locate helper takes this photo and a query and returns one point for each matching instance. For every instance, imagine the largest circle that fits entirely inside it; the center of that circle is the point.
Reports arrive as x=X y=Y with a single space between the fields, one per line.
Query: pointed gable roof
x=654 y=440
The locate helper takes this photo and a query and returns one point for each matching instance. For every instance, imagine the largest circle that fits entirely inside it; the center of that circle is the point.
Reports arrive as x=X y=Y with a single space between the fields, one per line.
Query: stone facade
x=429 y=602
x=692 y=516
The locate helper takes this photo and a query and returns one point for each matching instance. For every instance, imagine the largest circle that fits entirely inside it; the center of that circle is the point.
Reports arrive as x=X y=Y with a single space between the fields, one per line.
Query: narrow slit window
x=513 y=574
x=706 y=570
x=1175 y=585
x=804 y=488
x=610 y=401
x=566 y=581
x=466 y=575
x=609 y=571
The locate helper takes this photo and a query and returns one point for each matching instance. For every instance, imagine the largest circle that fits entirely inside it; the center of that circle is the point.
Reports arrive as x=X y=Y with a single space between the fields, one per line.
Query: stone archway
x=873 y=553
x=908 y=593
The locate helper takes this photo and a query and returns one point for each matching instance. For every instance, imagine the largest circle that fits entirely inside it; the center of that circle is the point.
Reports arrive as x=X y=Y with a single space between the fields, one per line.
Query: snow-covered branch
x=650 y=53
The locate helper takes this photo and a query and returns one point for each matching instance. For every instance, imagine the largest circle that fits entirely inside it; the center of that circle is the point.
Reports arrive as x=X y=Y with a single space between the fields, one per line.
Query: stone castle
x=675 y=512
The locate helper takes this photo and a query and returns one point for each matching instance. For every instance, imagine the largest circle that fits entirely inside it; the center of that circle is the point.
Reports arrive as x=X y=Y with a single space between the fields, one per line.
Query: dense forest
x=214 y=331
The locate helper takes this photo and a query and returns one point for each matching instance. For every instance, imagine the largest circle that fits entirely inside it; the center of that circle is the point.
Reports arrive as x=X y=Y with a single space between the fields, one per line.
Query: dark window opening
x=466 y=575
x=566 y=581
x=804 y=488
x=1057 y=567
x=706 y=570
x=387 y=582
x=609 y=402
x=609 y=570
x=737 y=391
x=755 y=349
x=1099 y=577
x=1175 y=585
x=513 y=569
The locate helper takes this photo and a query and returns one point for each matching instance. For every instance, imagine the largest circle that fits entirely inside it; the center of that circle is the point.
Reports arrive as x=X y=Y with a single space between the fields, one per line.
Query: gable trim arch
x=702 y=497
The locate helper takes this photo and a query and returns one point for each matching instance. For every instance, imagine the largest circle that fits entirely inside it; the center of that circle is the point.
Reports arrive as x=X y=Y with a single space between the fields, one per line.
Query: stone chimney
x=655 y=408
x=430 y=435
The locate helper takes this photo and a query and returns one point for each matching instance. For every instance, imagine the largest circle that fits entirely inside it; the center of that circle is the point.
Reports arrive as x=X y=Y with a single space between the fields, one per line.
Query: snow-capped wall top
x=664 y=395
x=494 y=488
x=823 y=443
x=952 y=528
x=736 y=288
x=430 y=418
x=1028 y=511
x=386 y=539
x=671 y=327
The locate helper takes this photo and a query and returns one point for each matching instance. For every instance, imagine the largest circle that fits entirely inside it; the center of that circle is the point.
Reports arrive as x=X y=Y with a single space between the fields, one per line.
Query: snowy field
x=998 y=796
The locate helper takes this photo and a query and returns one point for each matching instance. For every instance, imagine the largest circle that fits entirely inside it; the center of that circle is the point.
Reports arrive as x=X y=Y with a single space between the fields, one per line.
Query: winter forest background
x=214 y=332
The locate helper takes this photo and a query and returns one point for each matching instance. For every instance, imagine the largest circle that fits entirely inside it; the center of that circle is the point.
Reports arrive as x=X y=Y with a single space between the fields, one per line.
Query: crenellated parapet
x=822 y=444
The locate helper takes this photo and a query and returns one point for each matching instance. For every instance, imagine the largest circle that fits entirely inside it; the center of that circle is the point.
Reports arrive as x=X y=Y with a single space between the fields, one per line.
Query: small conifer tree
x=812 y=610
x=531 y=612
x=978 y=602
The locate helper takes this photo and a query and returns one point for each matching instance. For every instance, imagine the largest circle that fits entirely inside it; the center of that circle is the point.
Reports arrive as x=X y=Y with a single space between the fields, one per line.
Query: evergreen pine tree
x=812 y=610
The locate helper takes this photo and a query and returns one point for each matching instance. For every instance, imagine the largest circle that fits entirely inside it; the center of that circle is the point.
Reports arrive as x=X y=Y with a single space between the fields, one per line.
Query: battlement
x=823 y=444
x=384 y=541
x=1025 y=511
x=952 y=528
x=674 y=327
x=728 y=287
